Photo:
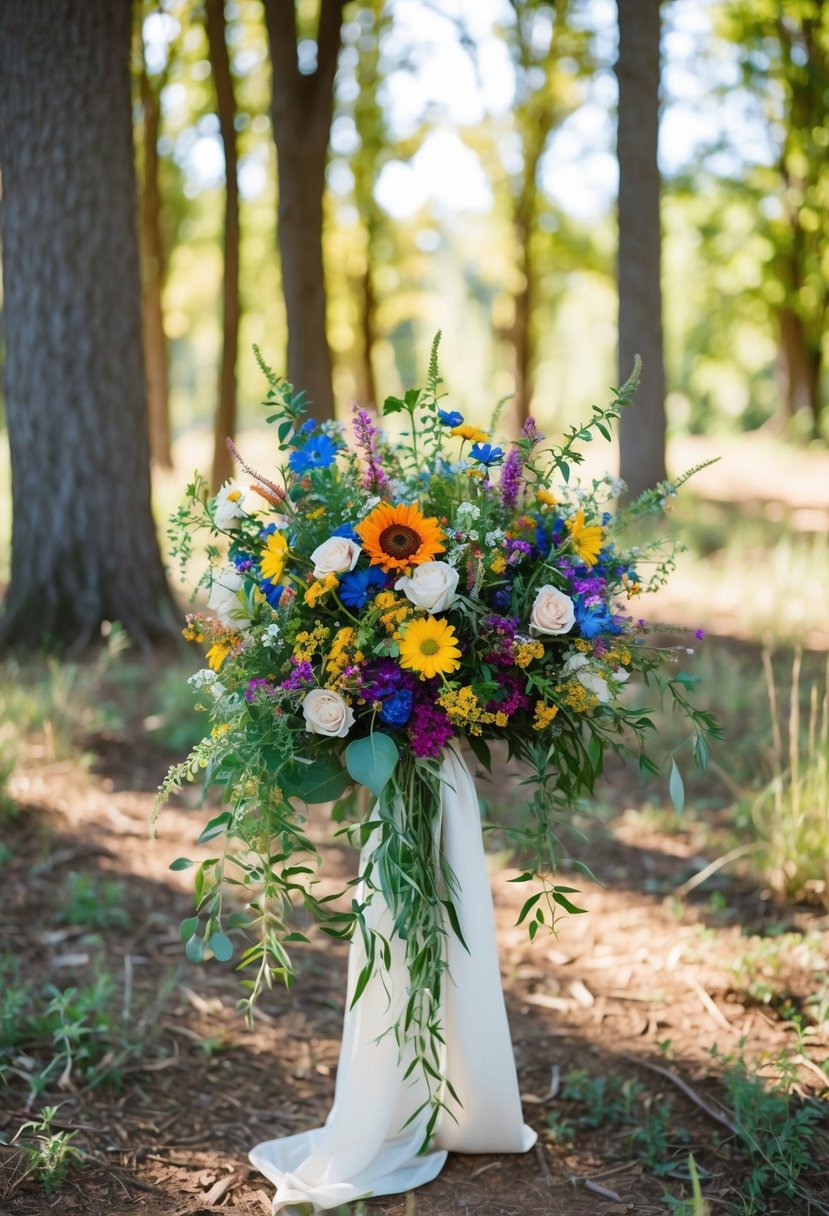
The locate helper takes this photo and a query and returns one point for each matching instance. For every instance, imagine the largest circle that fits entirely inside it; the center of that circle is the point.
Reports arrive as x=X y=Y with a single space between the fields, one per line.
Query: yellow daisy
x=586 y=539
x=547 y=497
x=274 y=556
x=397 y=538
x=217 y=654
x=429 y=647
x=471 y=433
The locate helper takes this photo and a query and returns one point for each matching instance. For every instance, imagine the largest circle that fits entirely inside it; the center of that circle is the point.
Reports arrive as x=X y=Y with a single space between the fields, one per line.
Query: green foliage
x=62 y=1037
x=94 y=903
x=49 y=1154
x=791 y=814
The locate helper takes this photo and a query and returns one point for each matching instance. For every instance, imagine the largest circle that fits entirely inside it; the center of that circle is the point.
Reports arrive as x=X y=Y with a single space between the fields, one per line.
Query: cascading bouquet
x=376 y=601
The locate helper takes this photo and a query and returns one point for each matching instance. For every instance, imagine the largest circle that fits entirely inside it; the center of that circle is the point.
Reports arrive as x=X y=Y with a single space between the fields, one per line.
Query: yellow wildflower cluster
x=583 y=645
x=577 y=697
x=342 y=654
x=396 y=612
x=317 y=513
x=192 y=632
x=464 y=709
x=218 y=731
x=319 y=589
x=543 y=715
x=498 y=564
x=631 y=586
x=525 y=652
x=619 y=656
x=307 y=644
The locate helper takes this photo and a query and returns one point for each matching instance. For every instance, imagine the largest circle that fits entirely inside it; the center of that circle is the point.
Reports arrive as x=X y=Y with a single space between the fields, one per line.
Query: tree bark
x=301 y=110
x=84 y=548
x=642 y=425
x=153 y=266
x=801 y=368
x=225 y=424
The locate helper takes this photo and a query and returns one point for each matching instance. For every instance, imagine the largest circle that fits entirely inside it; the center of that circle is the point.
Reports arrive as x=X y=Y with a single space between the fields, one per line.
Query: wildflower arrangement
x=374 y=602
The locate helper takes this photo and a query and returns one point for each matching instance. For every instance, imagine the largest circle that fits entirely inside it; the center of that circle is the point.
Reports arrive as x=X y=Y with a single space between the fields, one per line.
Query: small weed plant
x=49 y=1154
x=94 y=904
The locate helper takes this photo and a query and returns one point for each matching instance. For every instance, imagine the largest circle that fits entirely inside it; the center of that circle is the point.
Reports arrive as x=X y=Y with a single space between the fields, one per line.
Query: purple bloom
x=511 y=478
x=512 y=697
x=530 y=431
x=255 y=687
x=517 y=550
x=301 y=675
x=429 y=730
x=365 y=433
x=699 y=634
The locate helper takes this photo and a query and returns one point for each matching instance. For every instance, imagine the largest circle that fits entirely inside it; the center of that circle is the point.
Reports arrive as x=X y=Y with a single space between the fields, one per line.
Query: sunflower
x=429 y=647
x=272 y=560
x=585 y=539
x=396 y=538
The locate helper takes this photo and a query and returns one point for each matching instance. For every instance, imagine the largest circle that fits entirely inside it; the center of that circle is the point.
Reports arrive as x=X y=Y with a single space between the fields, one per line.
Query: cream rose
x=228 y=510
x=326 y=713
x=430 y=586
x=552 y=612
x=579 y=666
x=335 y=556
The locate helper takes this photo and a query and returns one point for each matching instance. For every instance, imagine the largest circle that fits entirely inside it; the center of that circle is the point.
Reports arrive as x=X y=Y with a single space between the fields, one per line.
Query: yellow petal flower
x=397 y=538
x=586 y=539
x=429 y=647
x=471 y=433
x=274 y=555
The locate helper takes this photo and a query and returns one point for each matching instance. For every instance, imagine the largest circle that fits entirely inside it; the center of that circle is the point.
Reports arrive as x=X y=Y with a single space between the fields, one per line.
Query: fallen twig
x=604 y=1191
x=709 y=1004
x=696 y=1098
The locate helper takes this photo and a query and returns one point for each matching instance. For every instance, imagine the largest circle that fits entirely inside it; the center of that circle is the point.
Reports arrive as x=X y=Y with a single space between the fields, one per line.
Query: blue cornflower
x=397 y=709
x=359 y=586
x=349 y=532
x=594 y=621
x=307 y=427
x=272 y=591
x=318 y=453
x=486 y=454
x=450 y=417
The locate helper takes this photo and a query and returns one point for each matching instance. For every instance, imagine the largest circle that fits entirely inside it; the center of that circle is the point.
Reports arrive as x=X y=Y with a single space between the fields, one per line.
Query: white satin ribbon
x=361 y=1150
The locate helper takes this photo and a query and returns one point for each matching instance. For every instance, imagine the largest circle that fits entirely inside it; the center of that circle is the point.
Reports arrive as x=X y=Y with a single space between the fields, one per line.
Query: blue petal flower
x=318 y=453
x=397 y=709
x=594 y=621
x=486 y=454
x=272 y=591
x=359 y=586
x=450 y=417
x=349 y=532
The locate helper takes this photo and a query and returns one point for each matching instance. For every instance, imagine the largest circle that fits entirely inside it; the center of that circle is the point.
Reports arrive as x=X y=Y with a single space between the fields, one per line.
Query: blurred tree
x=301 y=110
x=550 y=57
x=784 y=54
x=642 y=426
x=84 y=548
x=153 y=260
x=225 y=422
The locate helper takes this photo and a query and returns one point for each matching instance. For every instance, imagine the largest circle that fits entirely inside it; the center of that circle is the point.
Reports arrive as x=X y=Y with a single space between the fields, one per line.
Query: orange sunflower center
x=399 y=541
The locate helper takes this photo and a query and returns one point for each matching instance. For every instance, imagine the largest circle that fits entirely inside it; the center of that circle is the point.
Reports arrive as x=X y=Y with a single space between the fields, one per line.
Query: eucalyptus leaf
x=324 y=780
x=372 y=760
x=676 y=788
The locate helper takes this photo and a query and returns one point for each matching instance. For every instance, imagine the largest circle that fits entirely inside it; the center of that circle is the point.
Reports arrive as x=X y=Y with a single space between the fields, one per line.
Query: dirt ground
x=641 y=988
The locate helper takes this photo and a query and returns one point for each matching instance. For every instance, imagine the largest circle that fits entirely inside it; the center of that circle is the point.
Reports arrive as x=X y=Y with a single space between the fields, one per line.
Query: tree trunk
x=225 y=425
x=369 y=319
x=642 y=425
x=153 y=260
x=84 y=548
x=301 y=109
x=801 y=368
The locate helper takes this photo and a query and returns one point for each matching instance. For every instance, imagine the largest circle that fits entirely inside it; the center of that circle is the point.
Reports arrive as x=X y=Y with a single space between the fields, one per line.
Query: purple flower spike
x=530 y=431
x=511 y=478
x=365 y=432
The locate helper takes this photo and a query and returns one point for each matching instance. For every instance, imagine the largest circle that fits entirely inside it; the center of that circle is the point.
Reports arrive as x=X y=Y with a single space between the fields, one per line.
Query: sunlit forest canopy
x=437 y=107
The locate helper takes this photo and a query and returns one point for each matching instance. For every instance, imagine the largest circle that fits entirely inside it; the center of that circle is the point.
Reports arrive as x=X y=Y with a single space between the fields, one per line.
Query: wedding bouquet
x=376 y=600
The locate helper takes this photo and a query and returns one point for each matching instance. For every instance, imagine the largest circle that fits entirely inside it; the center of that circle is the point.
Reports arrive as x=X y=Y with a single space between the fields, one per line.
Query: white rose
x=224 y=600
x=228 y=510
x=575 y=666
x=552 y=612
x=326 y=713
x=335 y=556
x=431 y=586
